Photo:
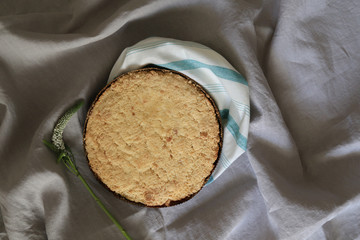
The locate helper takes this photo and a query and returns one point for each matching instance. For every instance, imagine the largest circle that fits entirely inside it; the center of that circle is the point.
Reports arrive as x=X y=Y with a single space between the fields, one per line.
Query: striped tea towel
x=228 y=88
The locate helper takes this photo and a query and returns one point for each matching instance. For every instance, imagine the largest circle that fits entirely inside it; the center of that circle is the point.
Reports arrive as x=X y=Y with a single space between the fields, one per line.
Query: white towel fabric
x=228 y=88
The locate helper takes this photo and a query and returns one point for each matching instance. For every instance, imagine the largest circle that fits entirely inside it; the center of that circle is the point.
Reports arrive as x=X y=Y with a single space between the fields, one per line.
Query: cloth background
x=299 y=178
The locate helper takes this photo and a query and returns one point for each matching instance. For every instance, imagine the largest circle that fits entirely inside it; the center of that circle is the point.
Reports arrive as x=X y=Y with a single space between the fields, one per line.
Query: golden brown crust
x=154 y=186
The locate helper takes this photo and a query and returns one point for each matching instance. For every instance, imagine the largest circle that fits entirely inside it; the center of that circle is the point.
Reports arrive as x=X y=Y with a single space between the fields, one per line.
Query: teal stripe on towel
x=221 y=72
x=211 y=179
x=224 y=161
x=136 y=49
x=224 y=114
x=234 y=129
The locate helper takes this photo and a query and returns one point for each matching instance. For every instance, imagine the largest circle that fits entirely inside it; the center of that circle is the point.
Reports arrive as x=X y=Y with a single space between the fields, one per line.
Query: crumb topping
x=152 y=137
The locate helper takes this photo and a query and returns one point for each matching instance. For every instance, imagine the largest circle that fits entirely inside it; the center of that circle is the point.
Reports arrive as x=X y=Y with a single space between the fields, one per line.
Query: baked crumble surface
x=152 y=137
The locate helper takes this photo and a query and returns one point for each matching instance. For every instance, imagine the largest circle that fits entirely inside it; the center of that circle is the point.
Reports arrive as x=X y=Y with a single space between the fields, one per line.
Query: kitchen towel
x=220 y=79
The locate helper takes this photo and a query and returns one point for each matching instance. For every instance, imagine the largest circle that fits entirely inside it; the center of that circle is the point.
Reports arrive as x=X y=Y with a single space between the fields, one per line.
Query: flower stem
x=102 y=206
x=65 y=156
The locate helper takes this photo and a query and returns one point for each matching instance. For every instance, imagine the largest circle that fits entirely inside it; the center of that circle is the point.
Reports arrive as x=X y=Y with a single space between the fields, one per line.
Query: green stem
x=103 y=207
x=64 y=155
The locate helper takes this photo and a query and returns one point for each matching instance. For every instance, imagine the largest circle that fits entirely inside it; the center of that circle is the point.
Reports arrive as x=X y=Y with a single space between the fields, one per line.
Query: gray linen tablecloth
x=300 y=176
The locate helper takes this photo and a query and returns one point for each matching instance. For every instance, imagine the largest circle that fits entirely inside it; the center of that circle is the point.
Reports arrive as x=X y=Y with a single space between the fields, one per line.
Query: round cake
x=153 y=136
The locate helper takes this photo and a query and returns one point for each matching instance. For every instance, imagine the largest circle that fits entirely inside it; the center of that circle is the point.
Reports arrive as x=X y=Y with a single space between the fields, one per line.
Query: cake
x=153 y=136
